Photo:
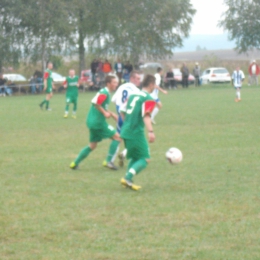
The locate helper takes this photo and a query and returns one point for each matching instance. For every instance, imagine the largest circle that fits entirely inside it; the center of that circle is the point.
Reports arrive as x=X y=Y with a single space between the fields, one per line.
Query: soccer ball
x=174 y=155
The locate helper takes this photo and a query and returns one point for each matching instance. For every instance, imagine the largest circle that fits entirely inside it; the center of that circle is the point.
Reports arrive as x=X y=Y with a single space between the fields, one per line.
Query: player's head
x=71 y=73
x=149 y=83
x=238 y=68
x=159 y=70
x=50 y=65
x=135 y=78
x=111 y=82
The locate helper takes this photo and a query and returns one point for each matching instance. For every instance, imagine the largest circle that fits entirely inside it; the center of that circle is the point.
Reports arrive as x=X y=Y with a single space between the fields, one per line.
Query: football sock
x=83 y=154
x=67 y=109
x=238 y=94
x=75 y=107
x=136 y=168
x=124 y=152
x=43 y=102
x=112 y=150
x=47 y=104
x=130 y=164
x=155 y=112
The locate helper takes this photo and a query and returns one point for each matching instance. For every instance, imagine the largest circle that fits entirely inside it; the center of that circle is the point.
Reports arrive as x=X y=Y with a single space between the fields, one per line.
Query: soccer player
x=71 y=84
x=155 y=93
x=238 y=77
x=48 y=86
x=96 y=121
x=119 y=98
x=137 y=114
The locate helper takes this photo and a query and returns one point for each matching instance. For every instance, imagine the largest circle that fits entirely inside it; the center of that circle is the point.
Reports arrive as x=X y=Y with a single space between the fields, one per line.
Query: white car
x=57 y=78
x=15 y=77
x=215 y=75
x=150 y=65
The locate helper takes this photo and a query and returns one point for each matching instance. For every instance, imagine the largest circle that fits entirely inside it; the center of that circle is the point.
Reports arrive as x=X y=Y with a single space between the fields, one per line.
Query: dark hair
x=148 y=80
x=109 y=78
x=159 y=69
x=133 y=73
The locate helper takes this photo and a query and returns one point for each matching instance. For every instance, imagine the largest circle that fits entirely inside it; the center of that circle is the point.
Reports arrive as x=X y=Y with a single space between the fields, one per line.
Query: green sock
x=112 y=150
x=136 y=168
x=74 y=107
x=130 y=164
x=47 y=104
x=83 y=154
x=67 y=108
x=43 y=102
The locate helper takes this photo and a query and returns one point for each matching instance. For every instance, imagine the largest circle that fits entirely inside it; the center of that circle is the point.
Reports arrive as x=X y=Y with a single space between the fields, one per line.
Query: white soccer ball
x=174 y=155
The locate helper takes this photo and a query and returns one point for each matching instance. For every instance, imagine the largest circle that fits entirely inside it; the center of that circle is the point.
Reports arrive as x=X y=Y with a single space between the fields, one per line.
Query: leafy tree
x=242 y=23
x=10 y=51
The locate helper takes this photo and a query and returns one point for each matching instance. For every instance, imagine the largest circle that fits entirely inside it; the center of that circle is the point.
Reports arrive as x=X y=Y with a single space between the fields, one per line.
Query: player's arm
x=45 y=77
x=147 y=109
x=160 y=89
x=103 y=111
x=113 y=115
x=65 y=84
x=98 y=101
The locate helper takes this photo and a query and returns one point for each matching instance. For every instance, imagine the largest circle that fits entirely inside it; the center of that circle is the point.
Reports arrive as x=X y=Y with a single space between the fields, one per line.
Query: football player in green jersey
x=71 y=84
x=137 y=115
x=99 y=129
x=48 y=86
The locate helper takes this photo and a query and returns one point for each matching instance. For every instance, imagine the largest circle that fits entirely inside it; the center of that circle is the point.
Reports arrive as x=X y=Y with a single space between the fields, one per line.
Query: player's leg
x=84 y=153
x=238 y=95
x=75 y=106
x=138 y=152
x=95 y=136
x=48 y=97
x=67 y=107
x=156 y=110
x=112 y=152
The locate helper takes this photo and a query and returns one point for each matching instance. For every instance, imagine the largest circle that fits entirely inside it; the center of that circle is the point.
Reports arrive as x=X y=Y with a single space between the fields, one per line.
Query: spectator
x=119 y=70
x=106 y=68
x=128 y=68
x=93 y=67
x=170 y=79
x=3 y=87
x=100 y=73
x=39 y=80
x=196 y=74
x=33 y=82
x=254 y=71
x=185 y=76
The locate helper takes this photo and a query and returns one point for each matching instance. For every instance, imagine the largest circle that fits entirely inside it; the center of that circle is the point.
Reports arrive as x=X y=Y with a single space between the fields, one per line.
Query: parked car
x=150 y=65
x=57 y=78
x=178 y=77
x=215 y=75
x=17 y=82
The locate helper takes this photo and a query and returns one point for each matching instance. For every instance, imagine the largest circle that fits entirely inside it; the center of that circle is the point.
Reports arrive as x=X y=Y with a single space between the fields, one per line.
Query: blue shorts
x=119 y=121
x=157 y=100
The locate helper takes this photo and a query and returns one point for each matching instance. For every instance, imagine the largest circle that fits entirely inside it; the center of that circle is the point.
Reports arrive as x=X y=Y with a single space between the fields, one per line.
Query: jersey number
x=124 y=96
x=132 y=105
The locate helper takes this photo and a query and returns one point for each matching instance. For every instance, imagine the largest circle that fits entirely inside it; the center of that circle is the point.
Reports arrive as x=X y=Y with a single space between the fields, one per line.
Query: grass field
x=206 y=208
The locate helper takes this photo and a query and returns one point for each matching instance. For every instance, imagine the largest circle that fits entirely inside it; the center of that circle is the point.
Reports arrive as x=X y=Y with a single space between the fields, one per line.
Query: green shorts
x=49 y=90
x=137 y=148
x=97 y=135
x=71 y=99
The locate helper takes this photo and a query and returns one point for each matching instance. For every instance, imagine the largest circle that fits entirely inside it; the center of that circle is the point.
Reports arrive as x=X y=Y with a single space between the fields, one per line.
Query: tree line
x=33 y=30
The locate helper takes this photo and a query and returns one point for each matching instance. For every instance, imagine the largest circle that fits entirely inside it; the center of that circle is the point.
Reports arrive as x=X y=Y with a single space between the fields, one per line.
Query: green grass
x=206 y=208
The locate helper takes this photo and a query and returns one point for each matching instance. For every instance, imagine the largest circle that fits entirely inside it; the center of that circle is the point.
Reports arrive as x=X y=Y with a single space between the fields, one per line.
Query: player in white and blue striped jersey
x=238 y=78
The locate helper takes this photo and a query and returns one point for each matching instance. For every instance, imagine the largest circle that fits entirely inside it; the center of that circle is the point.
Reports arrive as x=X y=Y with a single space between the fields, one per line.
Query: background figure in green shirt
x=137 y=115
x=48 y=86
x=72 y=85
x=99 y=129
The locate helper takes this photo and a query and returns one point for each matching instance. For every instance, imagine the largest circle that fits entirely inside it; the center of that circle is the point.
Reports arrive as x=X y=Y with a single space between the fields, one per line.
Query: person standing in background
x=48 y=86
x=119 y=70
x=238 y=78
x=254 y=71
x=185 y=76
x=196 y=74
x=170 y=79
x=107 y=68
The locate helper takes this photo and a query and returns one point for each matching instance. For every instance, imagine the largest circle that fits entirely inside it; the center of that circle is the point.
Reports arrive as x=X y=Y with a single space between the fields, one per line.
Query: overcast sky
x=208 y=14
